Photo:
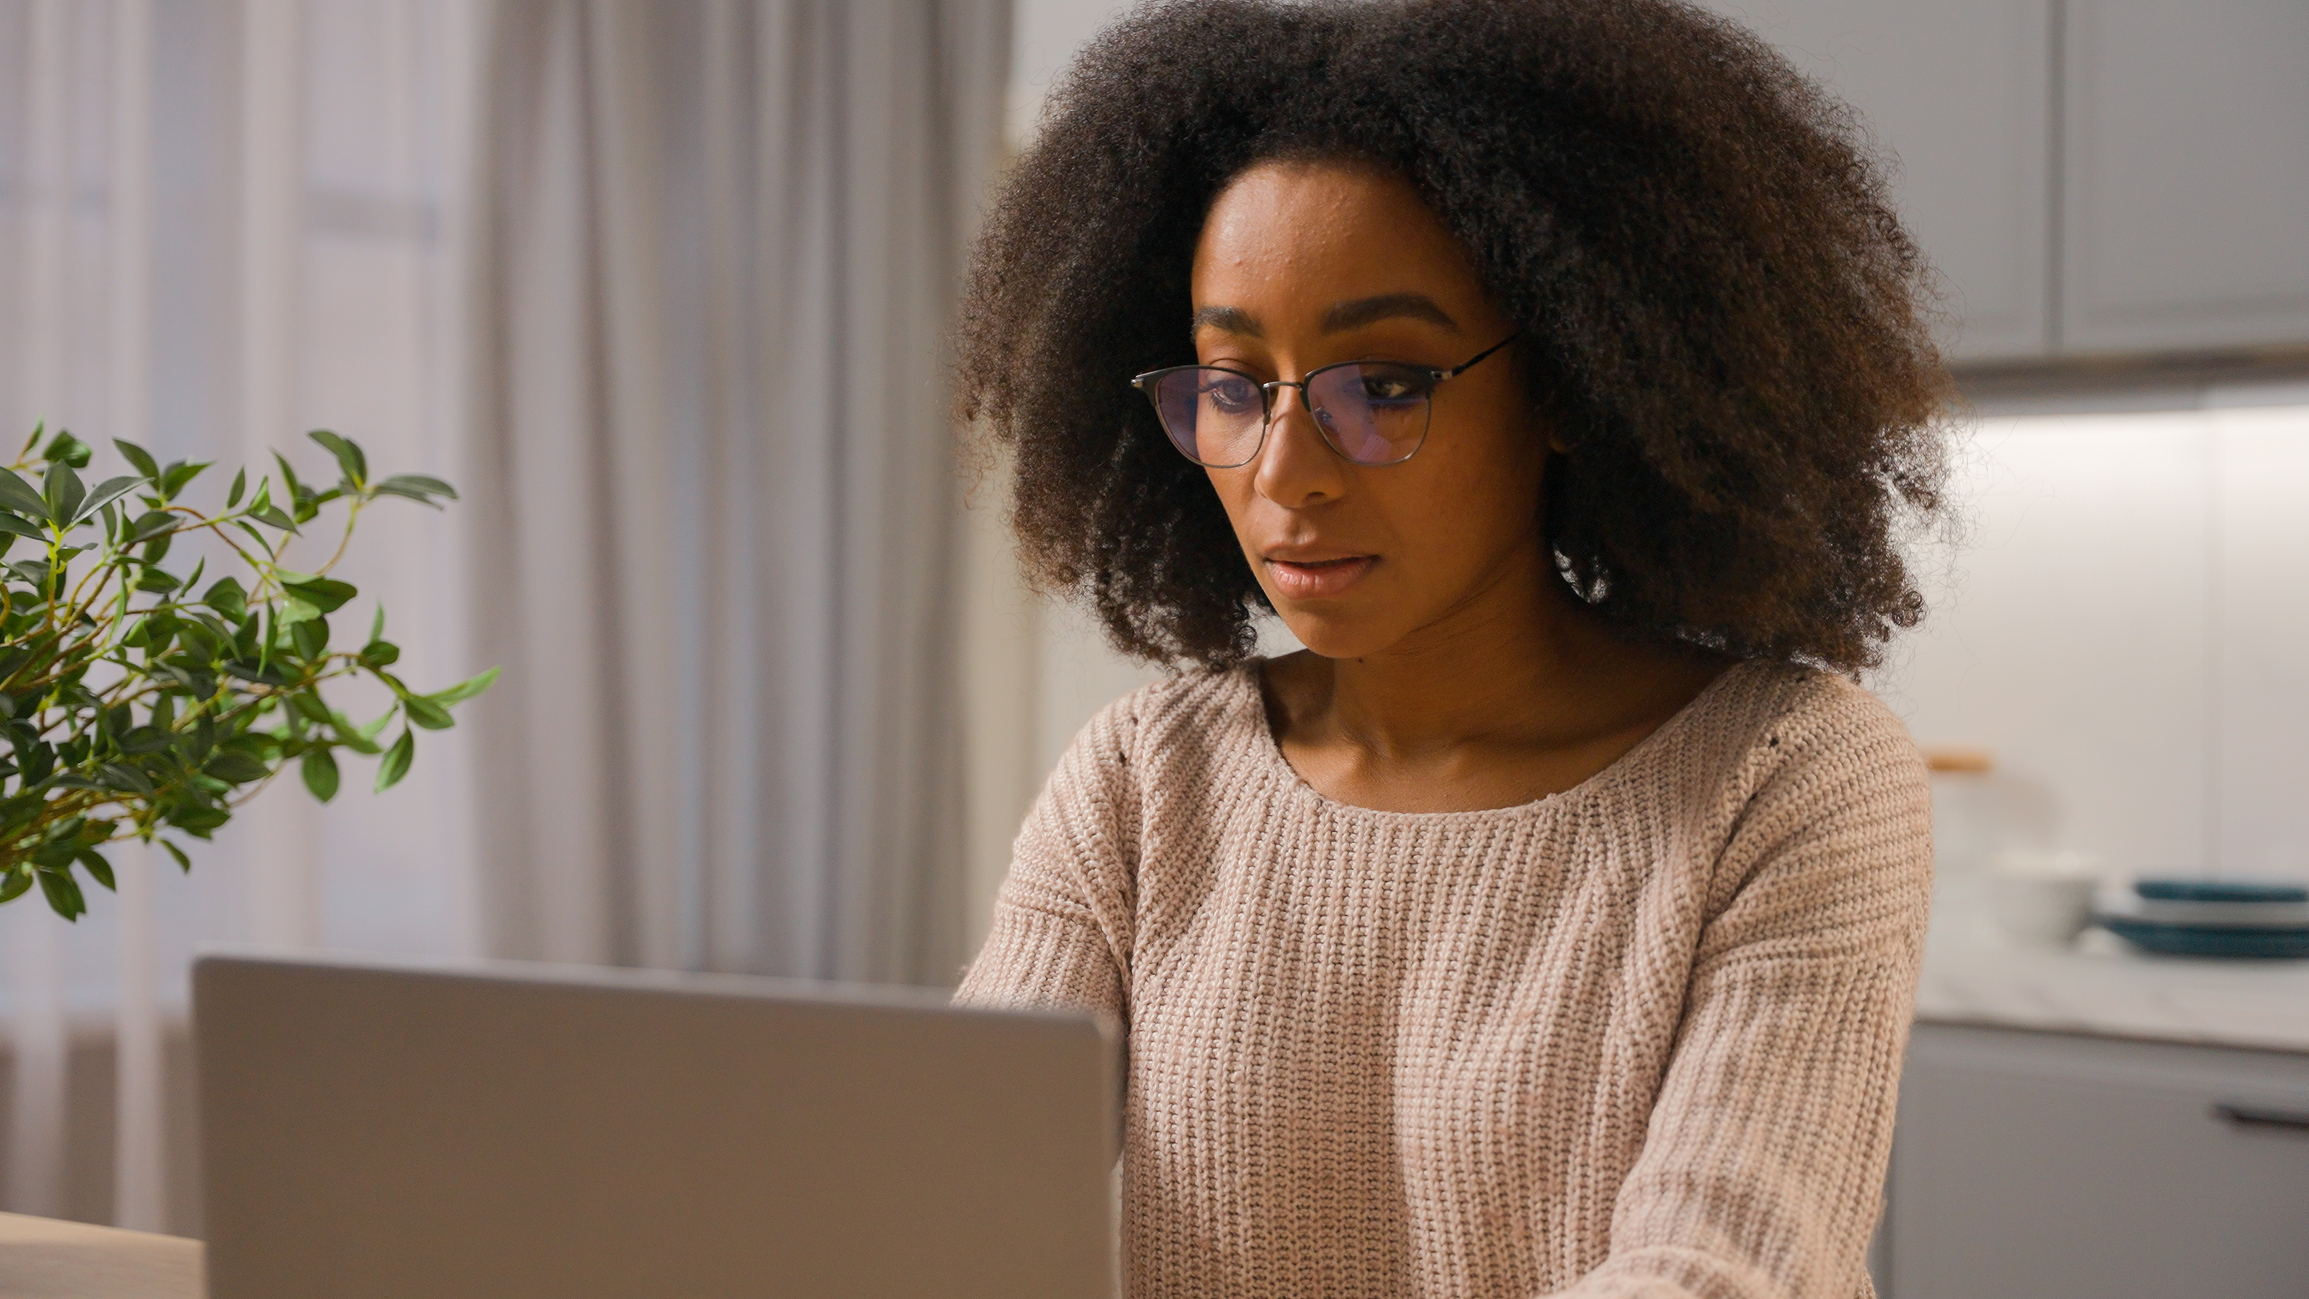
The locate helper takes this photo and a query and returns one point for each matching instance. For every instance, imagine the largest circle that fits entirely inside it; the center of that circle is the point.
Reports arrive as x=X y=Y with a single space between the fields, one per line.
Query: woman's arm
x=1063 y=921
x=1763 y=1166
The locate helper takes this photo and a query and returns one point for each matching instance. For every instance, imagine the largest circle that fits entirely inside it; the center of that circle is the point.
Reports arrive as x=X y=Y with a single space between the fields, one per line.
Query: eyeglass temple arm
x=1469 y=364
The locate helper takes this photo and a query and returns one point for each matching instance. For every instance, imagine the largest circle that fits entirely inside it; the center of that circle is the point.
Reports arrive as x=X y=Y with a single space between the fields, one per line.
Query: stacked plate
x=2212 y=918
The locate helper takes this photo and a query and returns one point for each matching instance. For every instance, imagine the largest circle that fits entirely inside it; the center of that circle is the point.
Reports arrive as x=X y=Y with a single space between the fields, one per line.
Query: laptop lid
x=510 y=1131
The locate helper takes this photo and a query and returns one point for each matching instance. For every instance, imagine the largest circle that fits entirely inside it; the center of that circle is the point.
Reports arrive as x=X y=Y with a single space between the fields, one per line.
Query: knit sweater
x=1638 y=1038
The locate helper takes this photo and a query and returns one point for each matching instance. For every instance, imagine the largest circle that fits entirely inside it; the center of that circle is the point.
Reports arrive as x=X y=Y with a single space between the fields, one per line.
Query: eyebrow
x=1387 y=306
x=1232 y=320
x=1340 y=318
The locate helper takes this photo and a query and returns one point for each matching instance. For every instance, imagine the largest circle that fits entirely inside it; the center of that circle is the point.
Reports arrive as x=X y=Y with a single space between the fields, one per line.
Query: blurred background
x=662 y=288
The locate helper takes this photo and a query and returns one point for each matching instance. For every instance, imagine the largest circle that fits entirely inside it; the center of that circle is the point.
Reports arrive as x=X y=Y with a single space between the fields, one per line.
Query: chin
x=1334 y=636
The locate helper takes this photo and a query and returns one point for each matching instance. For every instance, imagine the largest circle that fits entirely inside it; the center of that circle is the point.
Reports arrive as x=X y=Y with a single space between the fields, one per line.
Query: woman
x=1554 y=369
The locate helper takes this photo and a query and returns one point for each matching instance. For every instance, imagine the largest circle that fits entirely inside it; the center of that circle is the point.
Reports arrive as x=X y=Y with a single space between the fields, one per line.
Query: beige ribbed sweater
x=1639 y=1038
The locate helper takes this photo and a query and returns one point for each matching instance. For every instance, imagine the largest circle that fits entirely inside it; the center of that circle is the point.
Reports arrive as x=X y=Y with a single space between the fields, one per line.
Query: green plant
x=134 y=701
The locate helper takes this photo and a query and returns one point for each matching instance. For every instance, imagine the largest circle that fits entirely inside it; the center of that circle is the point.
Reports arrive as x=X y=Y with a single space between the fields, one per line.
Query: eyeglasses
x=1371 y=412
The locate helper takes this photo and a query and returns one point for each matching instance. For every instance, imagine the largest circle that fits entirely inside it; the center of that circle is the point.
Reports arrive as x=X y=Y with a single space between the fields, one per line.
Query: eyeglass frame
x=1146 y=382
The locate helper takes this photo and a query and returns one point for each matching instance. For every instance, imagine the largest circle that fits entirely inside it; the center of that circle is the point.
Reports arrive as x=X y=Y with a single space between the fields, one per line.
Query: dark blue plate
x=2194 y=940
x=2220 y=891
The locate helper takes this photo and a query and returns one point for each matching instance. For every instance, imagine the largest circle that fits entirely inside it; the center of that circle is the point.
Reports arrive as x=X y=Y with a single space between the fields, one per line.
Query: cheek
x=1233 y=487
x=1472 y=504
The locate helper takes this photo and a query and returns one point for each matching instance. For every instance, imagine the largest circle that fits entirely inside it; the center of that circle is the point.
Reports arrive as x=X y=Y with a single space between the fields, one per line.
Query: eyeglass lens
x=1372 y=413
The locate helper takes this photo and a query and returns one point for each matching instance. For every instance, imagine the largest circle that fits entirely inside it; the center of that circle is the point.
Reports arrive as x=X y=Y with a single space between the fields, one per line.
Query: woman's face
x=1302 y=265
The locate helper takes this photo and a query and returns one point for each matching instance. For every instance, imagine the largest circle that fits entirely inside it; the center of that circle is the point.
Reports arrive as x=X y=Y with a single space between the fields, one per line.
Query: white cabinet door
x=2063 y=1167
x=2187 y=175
x=1958 y=92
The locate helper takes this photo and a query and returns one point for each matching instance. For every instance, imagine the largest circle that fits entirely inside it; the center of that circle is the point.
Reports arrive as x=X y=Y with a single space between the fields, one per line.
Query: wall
x=2120 y=624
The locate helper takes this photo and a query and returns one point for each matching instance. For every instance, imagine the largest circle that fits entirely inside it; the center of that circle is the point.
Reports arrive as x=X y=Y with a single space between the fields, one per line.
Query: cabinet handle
x=2261 y=1116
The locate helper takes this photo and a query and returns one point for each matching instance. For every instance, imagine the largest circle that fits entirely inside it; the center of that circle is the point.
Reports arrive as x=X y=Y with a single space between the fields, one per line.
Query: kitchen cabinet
x=1957 y=92
x=2062 y=1167
x=2185 y=205
x=2089 y=176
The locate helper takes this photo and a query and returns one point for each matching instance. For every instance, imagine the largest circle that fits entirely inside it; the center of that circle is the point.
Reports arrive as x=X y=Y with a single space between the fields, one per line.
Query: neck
x=1521 y=662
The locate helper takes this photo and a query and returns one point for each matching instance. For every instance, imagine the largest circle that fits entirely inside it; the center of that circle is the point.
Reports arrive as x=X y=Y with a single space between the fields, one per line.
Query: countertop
x=44 y=1258
x=1973 y=974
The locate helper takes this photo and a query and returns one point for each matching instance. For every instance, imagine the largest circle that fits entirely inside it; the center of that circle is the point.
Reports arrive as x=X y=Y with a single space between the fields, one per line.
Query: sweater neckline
x=1619 y=769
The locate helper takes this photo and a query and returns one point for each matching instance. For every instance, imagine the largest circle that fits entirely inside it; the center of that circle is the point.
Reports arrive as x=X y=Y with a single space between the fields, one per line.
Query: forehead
x=1308 y=234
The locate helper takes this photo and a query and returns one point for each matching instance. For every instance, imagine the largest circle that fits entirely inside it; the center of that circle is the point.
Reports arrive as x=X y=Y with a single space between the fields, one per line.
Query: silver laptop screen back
x=381 y=1131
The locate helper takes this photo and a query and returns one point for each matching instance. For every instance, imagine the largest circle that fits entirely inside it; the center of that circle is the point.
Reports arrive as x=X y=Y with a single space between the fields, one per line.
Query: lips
x=1315 y=579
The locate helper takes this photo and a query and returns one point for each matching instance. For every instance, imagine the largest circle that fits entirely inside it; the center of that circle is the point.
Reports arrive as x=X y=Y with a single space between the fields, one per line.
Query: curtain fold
x=716 y=252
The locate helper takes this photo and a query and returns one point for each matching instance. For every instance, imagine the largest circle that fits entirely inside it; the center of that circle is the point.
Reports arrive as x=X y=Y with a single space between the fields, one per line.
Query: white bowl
x=2039 y=907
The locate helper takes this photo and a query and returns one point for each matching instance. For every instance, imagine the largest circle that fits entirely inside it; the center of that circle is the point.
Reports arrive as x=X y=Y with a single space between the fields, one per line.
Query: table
x=46 y=1258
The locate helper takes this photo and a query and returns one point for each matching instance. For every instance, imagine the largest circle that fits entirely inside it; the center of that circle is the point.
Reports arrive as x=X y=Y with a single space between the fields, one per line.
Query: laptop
x=507 y=1130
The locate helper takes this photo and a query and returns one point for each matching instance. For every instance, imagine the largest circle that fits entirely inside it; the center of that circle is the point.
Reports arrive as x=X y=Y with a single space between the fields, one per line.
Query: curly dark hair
x=1721 y=316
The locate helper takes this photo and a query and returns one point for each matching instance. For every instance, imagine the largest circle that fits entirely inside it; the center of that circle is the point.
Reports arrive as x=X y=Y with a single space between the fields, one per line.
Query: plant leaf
x=9 y=523
x=377 y=624
x=424 y=712
x=349 y=457
x=288 y=475
x=320 y=769
x=14 y=883
x=64 y=896
x=152 y=523
x=234 y=767
x=198 y=820
x=98 y=869
x=397 y=759
x=140 y=458
x=17 y=495
x=227 y=598
x=67 y=448
x=108 y=491
x=176 y=476
x=466 y=689
x=352 y=737
x=63 y=491
x=416 y=487
x=255 y=536
x=325 y=594
x=426 y=483
x=240 y=484
x=310 y=636
x=183 y=862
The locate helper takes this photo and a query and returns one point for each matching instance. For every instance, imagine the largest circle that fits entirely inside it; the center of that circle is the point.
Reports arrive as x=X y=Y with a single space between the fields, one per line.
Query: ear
x=1544 y=421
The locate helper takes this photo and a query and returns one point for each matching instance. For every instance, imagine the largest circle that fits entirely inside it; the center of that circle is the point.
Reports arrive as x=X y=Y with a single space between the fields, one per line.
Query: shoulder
x=1131 y=762
x=1190 y=713
x=1823 y=809
x=1774 y=723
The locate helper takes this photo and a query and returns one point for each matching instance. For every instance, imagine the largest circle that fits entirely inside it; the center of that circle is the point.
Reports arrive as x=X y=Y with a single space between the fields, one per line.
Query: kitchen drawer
x=2053 y=1166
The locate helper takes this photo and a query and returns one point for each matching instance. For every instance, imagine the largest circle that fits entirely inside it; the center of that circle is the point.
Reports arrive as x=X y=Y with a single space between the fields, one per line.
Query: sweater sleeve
x=1063 y=926
x=1762 y=1169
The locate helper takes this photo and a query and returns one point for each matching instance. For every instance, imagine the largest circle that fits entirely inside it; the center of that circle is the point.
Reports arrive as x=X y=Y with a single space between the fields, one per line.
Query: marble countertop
x=1974 y=974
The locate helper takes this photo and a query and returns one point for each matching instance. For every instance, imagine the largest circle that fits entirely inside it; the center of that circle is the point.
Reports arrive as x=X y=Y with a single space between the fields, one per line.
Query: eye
x=1388 y=384
x=1231 y=393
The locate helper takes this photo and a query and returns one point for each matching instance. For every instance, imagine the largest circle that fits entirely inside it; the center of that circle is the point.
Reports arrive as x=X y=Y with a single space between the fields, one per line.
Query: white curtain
x=662 y=288
x=716 y=250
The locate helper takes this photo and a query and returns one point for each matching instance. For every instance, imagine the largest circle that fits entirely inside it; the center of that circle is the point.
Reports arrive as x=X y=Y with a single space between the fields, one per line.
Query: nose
x=1296 y=469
